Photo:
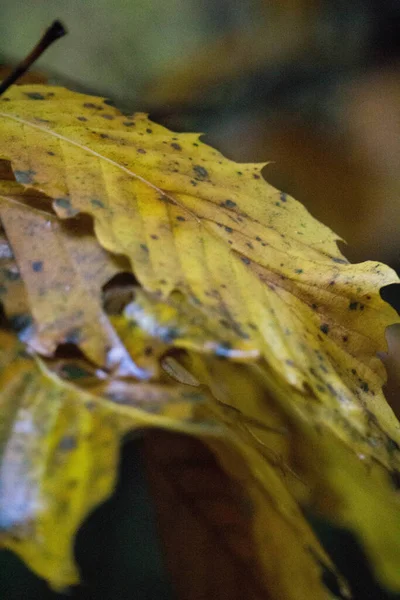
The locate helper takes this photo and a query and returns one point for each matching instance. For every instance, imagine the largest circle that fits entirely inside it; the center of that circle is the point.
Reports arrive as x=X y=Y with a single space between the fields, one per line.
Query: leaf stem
x=53 y=33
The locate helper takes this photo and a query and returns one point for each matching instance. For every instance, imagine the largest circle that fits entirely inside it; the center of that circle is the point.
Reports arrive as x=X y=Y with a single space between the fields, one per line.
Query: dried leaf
x=63 y=269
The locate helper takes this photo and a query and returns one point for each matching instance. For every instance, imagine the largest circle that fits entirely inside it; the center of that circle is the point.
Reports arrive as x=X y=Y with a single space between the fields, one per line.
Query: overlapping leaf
x=265 y=281
x=59 y=452
x=63 y=269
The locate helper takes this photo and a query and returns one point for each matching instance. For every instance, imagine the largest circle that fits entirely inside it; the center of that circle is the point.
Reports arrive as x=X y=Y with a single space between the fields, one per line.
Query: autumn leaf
x=60 y=447
x=59 y=453
x=63 y=269
x=230 y=267
x=209 y=535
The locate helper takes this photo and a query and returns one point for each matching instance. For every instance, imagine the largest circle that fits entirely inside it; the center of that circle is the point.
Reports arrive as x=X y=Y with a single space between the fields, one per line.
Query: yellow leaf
x=59 y=452
x=253 y=260
x=63 y=269
x=191 y=220
x=174 y=322
x=347 y=483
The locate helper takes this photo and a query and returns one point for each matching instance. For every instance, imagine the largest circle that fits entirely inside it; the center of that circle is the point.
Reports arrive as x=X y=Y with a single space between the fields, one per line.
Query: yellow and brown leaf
x=230 y=268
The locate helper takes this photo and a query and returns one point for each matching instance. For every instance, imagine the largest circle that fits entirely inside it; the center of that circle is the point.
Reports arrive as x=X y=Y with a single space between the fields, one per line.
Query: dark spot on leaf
x=68 y=442
x=180 y=218
x=345 y=338
x=82 y=119
x=144 y=247
x=332 y=282
x=154 y=237
x=25 y=176
x=228 y=229
x=250 y=245
x=97 y=203
x=245 y=260
x=50 y=153
x=258 y=239
x=193 y=182
x=64 y=203
x=148 y=351
x=141 y=151
x=201 y=172
x=107 y=116
x=37 y=266
x=353 y=305
x=104 y=136
x=255 y=176
x=225 y=323
x=314 y=306
x=324 y=328
x=129 y=123
x=34 y=95
x=299 y=271
x=91 y=105
x=176 y=146
x=229 y=203
x=364 y=386
x=341 y=261
x=283 y=197
x=239 y=172
x=195 y=144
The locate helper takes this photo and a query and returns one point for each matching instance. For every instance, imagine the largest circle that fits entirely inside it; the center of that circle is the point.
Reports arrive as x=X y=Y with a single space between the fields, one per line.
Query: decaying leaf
x=63 y=269
x=230 y=267
x=59 y=452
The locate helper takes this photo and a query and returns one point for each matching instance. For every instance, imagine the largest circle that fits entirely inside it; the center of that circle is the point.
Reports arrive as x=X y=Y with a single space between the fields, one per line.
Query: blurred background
x=312 y=86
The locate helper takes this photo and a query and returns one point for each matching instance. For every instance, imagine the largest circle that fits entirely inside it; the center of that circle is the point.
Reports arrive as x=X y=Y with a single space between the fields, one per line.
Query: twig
x=53 y=33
